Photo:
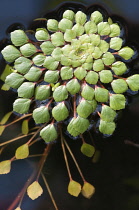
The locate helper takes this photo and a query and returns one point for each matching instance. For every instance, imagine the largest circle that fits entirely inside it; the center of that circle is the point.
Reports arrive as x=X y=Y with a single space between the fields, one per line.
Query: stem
x=65 y=156
x=35 y=141
x=82 y=139
x=24 y=116
x=74 y=105
x=17 y=138
x=43 y=159
x=35 y=134
x=80 y=172
x=49 y=191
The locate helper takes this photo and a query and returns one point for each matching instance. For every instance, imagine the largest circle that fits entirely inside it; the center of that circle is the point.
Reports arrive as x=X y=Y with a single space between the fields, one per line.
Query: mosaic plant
x=74 y=66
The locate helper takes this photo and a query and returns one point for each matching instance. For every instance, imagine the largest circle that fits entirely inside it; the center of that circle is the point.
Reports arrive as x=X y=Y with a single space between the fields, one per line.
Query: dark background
x=118 y=162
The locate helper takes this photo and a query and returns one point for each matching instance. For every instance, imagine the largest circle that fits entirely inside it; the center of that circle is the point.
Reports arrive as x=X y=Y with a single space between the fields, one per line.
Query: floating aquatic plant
x=73 y=67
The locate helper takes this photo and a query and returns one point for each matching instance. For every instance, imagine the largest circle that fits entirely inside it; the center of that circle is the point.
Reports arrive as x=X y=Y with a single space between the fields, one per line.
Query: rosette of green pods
x=75 y=58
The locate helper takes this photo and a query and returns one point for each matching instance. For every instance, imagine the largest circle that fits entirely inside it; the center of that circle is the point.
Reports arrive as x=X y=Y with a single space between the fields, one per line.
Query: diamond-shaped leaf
x=104 y=46
x=52 y=25
x=49 y=133
x=80 y=18
x=108 y=58
x=87 y=92
x=73 y=86
x=22 y=152
x=66 y=72
x=14 y=80
x=84 y=109
x=87 y=149
x=126 y=53
x=88 y=190
x=28 y=50
x=90 y=27
x=18 y=37
x=41 y=114
x=33 y=74
x=114 y=30
x=50 y=63
x=57 y=39
x=119 y=67
x=117 y=101
x=97 y=53
x=22 y=65
x=5 y=166
x=101 y=94
x=39 y=59
x=91 y=77
x=74 y=188
x=69 y=35
x=69 y=14
x=42 y=92
x=103 y=28
x=116 y=43
x=80 y=73
x=57 y=53
x=42 y=34
x=107 y=113
x=133 y=82
x=10 y=53
x=96 y=17
x=60 y=112
x=60 y=93
x=51 y=76
x=21 y=105
x=47 y=47
x=119 y=86
x=26 y=90
x=65 y=24
x=107 y=127
x=105 y=76
x=98 y=65
x=95 y=39
x=34 y=190
x=79 y=29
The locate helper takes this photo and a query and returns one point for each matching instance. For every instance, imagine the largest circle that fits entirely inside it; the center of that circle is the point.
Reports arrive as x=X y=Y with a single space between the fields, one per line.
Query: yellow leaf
x=5 y=118
x=88 y=190
x=34 y=190
x=74 y=188
x=18 y=208
x=5 y=167
x=2 y=127
x=25 y=127
x=5 y=87
x=6 y=72
x=96 y=156
x=22 y=152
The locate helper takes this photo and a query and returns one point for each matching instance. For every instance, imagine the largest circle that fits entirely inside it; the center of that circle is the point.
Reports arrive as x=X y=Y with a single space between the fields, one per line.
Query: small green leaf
x=103 y=28
x=21 y=105
x=5 y=118
x=49 y=133
x=101 y=94
x=87 y=92
x=42 y=92
x=90 y=27
x=91 y=77
x=108 y=58
x=78 y=126
x=95 y=39
x=126 y=53
x=22 y=152
x=116 y=43
x=84 y=109
x=47 y=47
x=28 y=50
x=22 y=65
x=25 y=128
x=14 y=80
x=107 y=127
x=114 y=30
x=104 y=46
x=57 y=39
x=50 y=63
x=105 y=76
x=26 y=90
x=5 y=72
x=60 y=112
x=98 y=65
x=69 y=14
x=74 y=188
x=51 y=76
x=133 y=82
x=117 y=101
x=65 y=61
x=107 y=113
x=87 y=149
x=80 y=73
x=10 y=53
x=97 y=53
x=119 y=68
x=41 y=115
x=79 y=29
x=18 y=37
x=57 y=53
x=34 y=190
x=5 y=166
x=42 y=34
x=2 y=128
x=39 y=59
x=119 y=86
x=5 y=87
x=96 y=17
x=80 y=18
x=52 y=25
x=69 y=35
x=60 y=93
x=33 y=74
x=66 y=72
x=73 y=86
x=65 y=24
x=88 y=190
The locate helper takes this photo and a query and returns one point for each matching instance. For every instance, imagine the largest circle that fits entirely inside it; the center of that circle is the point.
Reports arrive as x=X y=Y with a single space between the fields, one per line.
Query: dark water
x=118 y=161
